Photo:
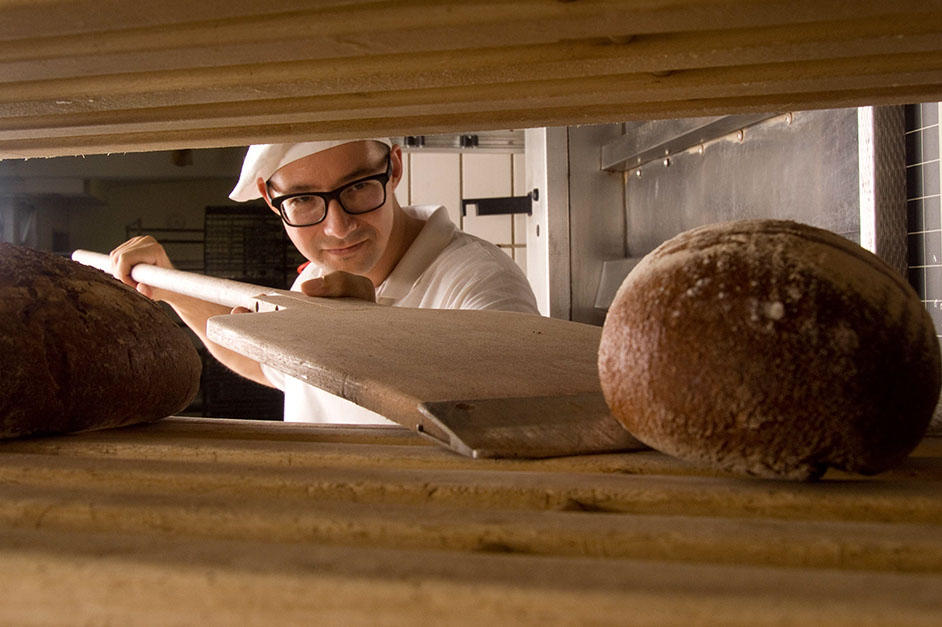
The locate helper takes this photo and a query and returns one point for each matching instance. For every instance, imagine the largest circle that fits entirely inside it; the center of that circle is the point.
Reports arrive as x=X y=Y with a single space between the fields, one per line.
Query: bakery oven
x=632 y=186
x=867 y=174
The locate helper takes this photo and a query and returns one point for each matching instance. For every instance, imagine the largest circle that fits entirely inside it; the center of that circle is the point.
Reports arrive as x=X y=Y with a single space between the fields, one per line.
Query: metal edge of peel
x=526 y=427
x=432 y=429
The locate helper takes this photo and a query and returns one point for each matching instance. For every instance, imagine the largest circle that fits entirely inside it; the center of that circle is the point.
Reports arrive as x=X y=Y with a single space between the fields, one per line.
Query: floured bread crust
x=79 y=350
x=772 y=349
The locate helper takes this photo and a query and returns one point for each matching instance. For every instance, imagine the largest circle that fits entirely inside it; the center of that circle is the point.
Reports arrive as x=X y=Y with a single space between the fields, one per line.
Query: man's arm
x=193 y=311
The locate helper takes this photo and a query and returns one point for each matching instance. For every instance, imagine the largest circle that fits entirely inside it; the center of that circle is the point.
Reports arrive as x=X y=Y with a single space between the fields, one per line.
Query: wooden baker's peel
x=482 y=383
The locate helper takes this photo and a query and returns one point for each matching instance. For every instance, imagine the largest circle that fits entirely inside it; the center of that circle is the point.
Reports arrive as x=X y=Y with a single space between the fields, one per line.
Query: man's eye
x=299 y=202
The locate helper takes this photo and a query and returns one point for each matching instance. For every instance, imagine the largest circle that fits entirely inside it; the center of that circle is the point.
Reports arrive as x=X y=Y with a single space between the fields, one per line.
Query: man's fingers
x=340 y=285
x=121 y=262
x=146 y=290
x=240 y=310
x=314 y=287
x=141 y=249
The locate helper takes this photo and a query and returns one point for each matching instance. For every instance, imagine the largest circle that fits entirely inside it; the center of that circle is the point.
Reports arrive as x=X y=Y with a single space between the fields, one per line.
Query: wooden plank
x=500 y=60
x=133 y=579
x=223 y=519
x=320 y=446
x=590 y=99
x=828 y=51
x=891 y=500
x=401 y=25
x=234 y=134
x=513 y=394
x=901 y=547
x=151 y=79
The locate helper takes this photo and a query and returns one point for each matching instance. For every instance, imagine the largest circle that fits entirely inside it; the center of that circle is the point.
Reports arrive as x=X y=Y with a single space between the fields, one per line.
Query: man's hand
x=340 y=284
x=142 y=249
x=193 y=311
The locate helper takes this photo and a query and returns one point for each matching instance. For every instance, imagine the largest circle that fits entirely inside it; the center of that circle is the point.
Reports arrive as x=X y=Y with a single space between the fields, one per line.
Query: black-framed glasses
x=357 y=197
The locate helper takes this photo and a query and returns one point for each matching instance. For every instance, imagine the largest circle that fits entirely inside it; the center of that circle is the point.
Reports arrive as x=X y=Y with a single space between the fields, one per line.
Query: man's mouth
x=343 y=251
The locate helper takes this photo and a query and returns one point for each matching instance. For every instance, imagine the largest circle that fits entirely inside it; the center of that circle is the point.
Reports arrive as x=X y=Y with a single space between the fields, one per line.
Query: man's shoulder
x=472 y=273
x=468 y=248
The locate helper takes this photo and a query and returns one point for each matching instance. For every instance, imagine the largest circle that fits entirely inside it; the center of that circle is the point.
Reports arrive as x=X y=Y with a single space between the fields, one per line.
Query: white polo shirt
x=444 y=268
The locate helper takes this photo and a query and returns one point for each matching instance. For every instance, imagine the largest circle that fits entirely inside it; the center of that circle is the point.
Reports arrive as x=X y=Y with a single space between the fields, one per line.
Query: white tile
x=520 y=189
x=520 y=229
x=436 y=180
x=402 y=190
x=520 y=256
x=495 y=229
x=520 y=174
x=487 y=176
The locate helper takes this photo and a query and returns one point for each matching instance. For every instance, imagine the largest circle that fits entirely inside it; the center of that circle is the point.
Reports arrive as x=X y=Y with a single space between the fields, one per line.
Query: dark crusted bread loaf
x=773 y=349
x=79 y=350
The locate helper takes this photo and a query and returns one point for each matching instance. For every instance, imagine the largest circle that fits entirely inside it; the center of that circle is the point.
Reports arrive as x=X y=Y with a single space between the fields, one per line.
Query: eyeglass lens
x=360 y=197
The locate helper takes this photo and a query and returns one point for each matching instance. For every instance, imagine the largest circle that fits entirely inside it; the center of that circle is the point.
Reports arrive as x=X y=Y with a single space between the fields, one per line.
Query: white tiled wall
x=487 y=176
x=402 y=190
x=436 y=179
x=519 y=221
x=447 y=177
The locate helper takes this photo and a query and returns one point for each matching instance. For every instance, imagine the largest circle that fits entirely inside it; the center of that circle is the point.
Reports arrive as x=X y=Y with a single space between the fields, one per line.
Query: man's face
x=352 y=243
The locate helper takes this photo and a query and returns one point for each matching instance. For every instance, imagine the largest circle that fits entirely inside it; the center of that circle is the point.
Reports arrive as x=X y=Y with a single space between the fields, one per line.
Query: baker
x=337 y=204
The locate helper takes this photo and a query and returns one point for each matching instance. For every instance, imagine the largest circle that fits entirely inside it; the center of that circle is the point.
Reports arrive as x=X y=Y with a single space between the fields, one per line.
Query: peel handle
x=215 y=290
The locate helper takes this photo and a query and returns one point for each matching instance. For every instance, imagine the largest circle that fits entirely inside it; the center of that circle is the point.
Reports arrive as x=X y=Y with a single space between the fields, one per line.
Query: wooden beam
x=227 y=520
x=361 y=26
x=85 y=577
x=505 y=488
x=552 y=102
x=899 y=547
x=172 y=78
x=862 y=40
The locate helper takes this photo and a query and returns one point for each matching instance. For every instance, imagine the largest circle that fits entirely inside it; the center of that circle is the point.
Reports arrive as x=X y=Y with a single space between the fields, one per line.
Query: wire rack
x=248 y=243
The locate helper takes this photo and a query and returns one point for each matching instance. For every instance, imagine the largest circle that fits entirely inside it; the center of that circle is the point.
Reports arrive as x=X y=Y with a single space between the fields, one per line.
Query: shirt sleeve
x=497 y=292
x=276 y=377
x=309 y=271
x=477 y=275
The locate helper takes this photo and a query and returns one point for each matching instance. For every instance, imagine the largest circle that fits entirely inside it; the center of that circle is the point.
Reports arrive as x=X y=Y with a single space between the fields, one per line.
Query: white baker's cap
x=263 y=160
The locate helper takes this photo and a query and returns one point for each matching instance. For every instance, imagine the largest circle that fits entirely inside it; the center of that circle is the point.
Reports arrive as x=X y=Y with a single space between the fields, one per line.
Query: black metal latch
x=501 y=206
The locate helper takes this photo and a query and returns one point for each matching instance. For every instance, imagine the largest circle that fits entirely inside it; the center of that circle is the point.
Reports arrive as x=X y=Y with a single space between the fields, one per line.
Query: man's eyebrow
x=358 y=173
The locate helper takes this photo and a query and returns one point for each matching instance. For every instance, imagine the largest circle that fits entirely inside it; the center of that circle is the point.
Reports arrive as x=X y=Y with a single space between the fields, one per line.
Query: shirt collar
x=437 y=233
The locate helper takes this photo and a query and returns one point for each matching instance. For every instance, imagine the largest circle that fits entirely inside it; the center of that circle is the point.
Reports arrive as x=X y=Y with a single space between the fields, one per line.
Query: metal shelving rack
x=244 y=243
x=183 y=246
x=248 y=243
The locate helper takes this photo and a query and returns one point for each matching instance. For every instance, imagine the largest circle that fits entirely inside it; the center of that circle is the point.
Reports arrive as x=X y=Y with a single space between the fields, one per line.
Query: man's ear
x=395 y=157
x=263 y=190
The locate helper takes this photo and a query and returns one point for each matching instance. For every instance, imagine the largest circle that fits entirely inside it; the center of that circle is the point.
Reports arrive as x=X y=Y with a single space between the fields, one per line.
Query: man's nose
x=338 y=223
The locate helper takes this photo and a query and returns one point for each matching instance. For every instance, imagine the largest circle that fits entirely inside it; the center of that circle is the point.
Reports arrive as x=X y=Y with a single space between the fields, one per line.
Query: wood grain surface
x=92 y=77
x=483 y=383
x=250 y=522
x=531 y=390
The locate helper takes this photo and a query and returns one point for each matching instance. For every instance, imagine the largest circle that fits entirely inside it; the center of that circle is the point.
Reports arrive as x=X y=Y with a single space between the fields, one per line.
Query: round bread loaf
x=773 y=349
x=81 y=350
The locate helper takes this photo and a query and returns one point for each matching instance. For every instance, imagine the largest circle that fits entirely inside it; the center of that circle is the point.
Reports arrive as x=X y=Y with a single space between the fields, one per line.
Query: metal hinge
x=501 y=206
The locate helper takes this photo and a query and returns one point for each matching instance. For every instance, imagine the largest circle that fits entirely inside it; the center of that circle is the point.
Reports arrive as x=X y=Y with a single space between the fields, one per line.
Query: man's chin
x=354 y=264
